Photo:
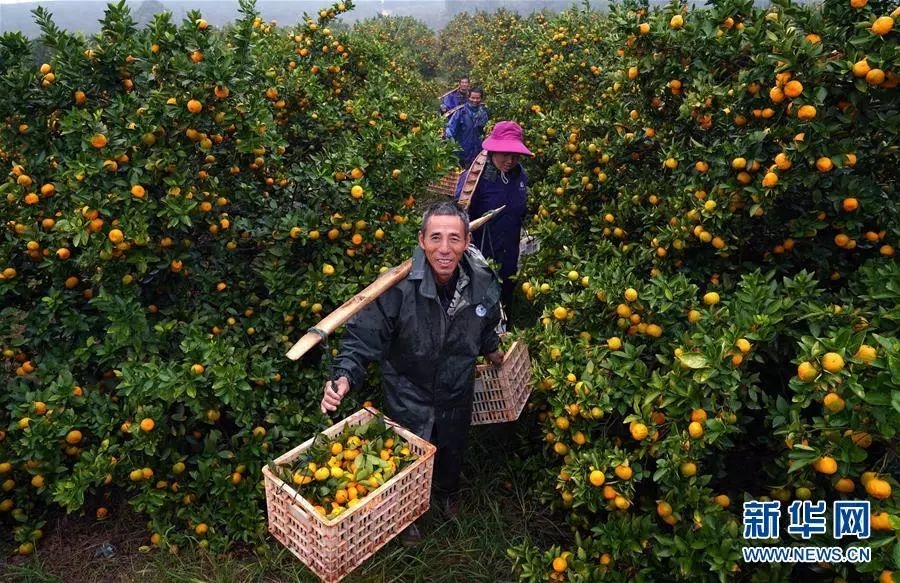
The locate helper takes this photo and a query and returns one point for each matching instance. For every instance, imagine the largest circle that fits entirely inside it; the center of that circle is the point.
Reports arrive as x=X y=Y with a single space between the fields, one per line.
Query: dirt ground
x=81 y=549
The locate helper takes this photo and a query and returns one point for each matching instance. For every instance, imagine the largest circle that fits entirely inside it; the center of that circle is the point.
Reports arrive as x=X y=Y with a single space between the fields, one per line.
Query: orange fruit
x=194 y=106
x=825 y=465
x=832 y=362
x=663 y=509
x=695 y=429
x=73 y=437
x=614 y=343
x=882 y=25
x=711 y=298
x=147 y=424
x=722 y=500
x=560 y=564
x=834 y=403
x=776 y=94
x=881 y=521
x=824 y=164
x=597 y=478
x=845 y=485
x=623 y=472
x=866 y=353
x=860 y=68
x=198 y=369
x=875 y=77
x=116 y=236
x=793 y=88
x=98 y=141
x=639 y=431
x=849 y=204
x=770 y=180
x=138 y=191
x=807 y=372
x=806 y=112
x=878 y=489
x=688 y=469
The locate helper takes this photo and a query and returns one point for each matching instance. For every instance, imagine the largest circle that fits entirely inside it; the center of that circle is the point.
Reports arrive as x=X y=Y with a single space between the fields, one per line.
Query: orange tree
x=181 y=203
x=714 y=192
x=412 y=40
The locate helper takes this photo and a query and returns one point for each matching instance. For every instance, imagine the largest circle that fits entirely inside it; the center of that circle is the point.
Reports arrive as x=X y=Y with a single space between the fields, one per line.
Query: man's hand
x=334 y=394
x=496 y=358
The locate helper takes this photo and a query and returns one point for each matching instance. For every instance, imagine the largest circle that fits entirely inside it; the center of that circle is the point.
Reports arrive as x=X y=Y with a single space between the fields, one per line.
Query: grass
x=498 y=511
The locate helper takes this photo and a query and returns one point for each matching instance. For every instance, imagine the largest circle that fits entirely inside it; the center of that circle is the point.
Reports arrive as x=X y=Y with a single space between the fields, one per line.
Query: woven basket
x=501 y=392
x=446 y=186
x=333 y=548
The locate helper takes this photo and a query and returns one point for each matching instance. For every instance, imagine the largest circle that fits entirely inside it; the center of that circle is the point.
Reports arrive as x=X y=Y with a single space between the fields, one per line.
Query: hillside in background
x=84 y=15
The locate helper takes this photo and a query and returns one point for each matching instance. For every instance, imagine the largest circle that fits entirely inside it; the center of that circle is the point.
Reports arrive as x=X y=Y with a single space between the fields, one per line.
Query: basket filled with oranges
x=336 y=499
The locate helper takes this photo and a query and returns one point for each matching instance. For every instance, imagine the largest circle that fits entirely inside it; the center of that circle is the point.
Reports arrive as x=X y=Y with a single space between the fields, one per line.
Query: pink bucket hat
x=506 y=137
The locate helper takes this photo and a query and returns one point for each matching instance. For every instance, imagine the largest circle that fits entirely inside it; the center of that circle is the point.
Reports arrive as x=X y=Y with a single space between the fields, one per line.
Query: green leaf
x=694 y=360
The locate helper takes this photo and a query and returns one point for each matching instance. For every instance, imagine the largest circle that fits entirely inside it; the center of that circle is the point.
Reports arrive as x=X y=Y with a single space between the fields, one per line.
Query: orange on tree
x=833 y=402
x=639 y=431
x=832 y=362
x=807 y=372
x=825 y=465
x=866 y=353
x=878 y=488
x=623 y=472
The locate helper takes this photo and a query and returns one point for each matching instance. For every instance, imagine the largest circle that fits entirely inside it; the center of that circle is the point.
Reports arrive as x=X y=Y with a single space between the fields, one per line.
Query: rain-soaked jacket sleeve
x=367 y=338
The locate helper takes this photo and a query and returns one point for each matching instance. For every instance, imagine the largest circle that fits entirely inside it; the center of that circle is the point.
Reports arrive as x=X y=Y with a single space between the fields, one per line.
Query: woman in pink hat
x=502 y=182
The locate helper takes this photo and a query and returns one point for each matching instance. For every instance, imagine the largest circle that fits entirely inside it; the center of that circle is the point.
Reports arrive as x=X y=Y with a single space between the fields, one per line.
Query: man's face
x=444 y=241
x=474 y=99
x=463 y=85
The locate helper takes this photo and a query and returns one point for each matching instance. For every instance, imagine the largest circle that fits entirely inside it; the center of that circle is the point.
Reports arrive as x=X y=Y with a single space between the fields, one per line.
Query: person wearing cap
x=502 y=182
x=466 y=127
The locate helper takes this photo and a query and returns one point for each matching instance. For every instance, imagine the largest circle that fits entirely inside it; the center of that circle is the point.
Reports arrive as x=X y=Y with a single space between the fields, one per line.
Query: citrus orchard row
x=714 y=192
x=181 y=203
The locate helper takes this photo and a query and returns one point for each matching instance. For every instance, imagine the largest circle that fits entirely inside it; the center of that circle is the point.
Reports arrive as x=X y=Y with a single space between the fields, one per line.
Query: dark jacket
x=499 y=239
x=466 y=127
x=427 y=357
x=452 y=100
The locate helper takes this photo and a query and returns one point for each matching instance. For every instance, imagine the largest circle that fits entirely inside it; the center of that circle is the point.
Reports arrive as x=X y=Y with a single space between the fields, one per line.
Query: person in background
x=456 y=98
x=502 y=182
x=466 y=127
x=426 y=332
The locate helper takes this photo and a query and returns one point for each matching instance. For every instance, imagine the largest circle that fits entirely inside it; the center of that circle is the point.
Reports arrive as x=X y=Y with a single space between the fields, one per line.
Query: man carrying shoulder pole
x=427 y=331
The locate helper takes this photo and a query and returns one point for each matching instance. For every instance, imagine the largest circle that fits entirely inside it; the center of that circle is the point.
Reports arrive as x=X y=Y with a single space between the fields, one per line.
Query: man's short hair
x=477 y=89
x=446 y=209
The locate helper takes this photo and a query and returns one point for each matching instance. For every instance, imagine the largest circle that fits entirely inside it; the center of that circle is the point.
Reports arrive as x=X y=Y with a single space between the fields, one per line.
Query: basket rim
x=517 y=345
x=362 y=415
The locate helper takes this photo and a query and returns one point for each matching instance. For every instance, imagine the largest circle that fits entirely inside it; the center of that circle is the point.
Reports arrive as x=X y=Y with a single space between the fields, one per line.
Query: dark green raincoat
x=427 y=356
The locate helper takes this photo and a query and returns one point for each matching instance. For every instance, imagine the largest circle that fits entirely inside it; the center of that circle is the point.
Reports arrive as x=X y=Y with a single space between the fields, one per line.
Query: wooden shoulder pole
x=385 y=281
